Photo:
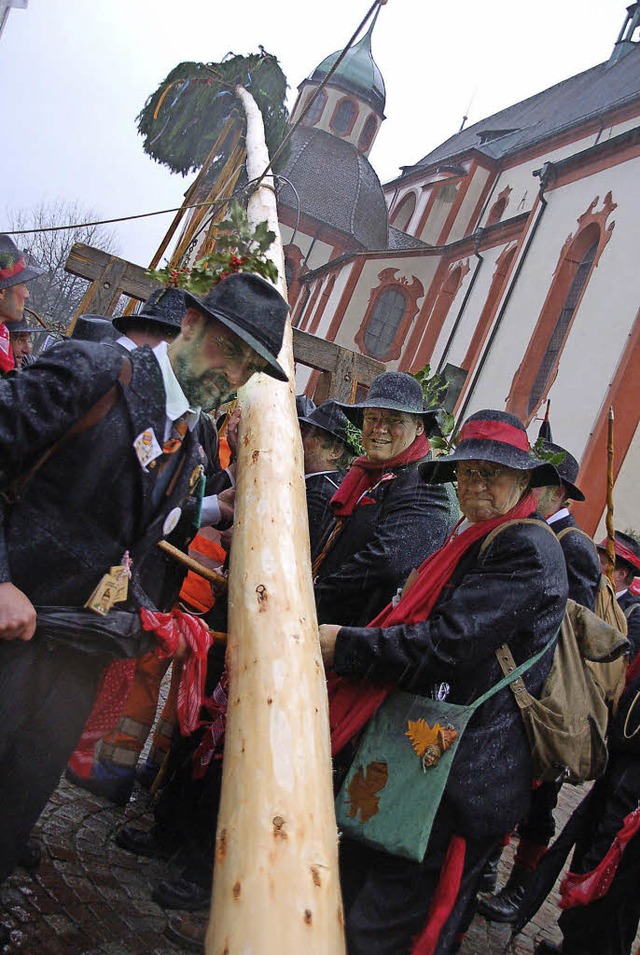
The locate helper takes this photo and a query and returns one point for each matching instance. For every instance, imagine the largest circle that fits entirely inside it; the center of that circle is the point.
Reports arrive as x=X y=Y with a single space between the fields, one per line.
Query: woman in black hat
x=464 y=603
x=387 y=520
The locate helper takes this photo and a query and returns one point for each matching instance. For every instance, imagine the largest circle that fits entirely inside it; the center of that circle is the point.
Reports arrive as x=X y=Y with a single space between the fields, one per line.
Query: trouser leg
x=46 y=695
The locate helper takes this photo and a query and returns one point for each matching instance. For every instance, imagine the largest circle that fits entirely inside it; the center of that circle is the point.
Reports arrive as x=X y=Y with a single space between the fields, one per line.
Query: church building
x=503 y=258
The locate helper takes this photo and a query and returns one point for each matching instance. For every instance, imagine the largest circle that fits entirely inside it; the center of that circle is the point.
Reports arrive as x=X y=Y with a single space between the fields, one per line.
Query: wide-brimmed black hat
x=19 y=327
x=396 y=391
x=627 y=550
x=251 y=308
x=567 y=470
x=329 y=417
x=304 y=405
x=497 y=437
x=165 y=308
x=93 y=328
x=13 y=265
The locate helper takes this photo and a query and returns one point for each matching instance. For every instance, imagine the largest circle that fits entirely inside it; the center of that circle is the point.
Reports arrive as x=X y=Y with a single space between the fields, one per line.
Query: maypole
x=276 y=885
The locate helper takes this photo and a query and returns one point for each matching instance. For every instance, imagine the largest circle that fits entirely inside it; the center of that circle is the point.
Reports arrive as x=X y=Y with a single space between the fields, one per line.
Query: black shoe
x=504 y=906
x=547 y=948
x=31 y=855
x=489 y=876
x=182 y=894
x=187 y=931
x=117 y=791
x=144 y=843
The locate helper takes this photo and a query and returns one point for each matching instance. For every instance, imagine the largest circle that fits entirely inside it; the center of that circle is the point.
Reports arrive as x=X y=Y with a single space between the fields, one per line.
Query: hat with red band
x=627 y=549
x=13 y=265
x=497 y=437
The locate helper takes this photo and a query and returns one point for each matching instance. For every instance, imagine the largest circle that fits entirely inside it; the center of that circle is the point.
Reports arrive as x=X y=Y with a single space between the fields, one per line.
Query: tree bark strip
x=276 y=886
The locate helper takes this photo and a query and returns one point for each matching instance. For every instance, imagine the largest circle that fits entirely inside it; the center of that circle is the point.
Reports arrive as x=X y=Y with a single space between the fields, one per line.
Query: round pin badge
x=171 y=520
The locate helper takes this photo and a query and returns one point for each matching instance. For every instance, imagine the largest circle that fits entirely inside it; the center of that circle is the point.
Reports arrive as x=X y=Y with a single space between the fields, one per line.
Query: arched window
x=578 y=258
x=317 y=107
x=384 y=322
x=344 y=116
x=368 y=132
x=559 y=333
x=402 y=213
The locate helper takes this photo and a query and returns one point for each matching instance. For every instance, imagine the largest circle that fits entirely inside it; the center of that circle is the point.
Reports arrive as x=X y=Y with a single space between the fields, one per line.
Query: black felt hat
x=304 y=405
x=19 y=327
x=93 y=328
x=627 y=550
x=329 y=417
x=13 y=265
x=567 y=470
x=395 y=391
x=165 y=308
x=253 y=309
x=497 y=437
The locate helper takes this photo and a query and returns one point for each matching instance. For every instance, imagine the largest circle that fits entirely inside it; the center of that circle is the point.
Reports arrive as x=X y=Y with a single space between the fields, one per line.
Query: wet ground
x=91 y=898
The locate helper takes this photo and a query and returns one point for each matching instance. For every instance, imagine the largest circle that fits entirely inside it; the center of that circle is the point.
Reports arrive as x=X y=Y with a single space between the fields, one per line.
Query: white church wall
x=626 y=506
x=463 y=223
x=605 y=314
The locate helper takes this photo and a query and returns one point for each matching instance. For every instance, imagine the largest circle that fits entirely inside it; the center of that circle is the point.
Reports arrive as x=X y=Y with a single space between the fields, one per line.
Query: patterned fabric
x=211 y=743
x=6 y=353
x=174 y=441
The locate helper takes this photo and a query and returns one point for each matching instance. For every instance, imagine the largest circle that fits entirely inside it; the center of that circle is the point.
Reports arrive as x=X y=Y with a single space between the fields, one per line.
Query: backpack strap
x=95 y=414
x=508 y=665
x=489 y=539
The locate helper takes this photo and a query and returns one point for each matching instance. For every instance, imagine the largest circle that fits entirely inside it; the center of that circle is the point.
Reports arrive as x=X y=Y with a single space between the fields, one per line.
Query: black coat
x=92 y=500
x=515 y=593
x=320 y=489
x=583 y=563
x=627 y=600
x=402 y=521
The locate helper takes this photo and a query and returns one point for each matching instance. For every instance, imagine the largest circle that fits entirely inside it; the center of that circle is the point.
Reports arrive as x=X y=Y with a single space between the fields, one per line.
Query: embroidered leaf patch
x=430 y=742
x=367 y=782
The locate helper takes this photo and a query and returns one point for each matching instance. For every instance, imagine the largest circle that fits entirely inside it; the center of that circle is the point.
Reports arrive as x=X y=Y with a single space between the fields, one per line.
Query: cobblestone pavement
x=91 y=898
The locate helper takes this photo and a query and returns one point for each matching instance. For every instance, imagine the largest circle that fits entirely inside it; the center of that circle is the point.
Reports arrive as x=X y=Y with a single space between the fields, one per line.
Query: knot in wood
x=278 y=828
x=263 y=596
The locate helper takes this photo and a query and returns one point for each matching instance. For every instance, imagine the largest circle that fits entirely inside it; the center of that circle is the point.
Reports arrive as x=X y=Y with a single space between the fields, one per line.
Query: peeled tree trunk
x=276 y=886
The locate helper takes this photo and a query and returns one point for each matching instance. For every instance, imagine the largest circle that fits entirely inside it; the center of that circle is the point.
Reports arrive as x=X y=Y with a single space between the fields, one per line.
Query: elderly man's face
x=12 y=302
x=21 y=346
x=487 y=490
x=210 y=361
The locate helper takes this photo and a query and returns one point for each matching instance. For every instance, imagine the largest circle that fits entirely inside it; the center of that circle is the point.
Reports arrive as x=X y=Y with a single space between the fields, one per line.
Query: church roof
x=335 y=184
x=561 y=107
x=357 y=73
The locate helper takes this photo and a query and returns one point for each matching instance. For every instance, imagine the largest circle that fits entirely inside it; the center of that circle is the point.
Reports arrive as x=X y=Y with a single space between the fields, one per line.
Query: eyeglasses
x=486 y=476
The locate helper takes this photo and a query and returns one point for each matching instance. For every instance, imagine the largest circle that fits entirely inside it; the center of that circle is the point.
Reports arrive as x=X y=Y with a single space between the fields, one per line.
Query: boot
x=504 y=906
x=489 y=876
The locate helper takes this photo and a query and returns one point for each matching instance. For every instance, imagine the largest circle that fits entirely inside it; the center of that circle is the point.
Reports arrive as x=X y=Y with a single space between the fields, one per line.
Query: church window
x=403 y=212
x=559 y=333
x=381 y=328
x=368 y=132
x=317 y=107
x=344 y=116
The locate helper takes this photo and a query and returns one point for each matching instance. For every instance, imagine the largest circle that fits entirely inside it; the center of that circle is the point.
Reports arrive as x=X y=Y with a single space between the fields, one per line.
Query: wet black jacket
x=397 y=525
x=626 y=601
x=92 y=500
x=515 y=593
x=320 y=489
x=583 y=563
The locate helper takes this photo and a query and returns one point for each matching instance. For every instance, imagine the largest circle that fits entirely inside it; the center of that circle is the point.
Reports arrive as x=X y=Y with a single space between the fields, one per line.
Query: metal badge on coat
x=171 y=520
x=147 y=447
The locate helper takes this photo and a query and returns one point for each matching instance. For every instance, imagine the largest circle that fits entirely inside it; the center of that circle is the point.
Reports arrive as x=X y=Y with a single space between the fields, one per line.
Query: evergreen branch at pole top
x=611 y=537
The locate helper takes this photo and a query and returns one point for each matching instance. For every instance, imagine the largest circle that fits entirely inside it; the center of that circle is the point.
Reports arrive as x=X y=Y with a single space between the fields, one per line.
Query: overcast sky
x=75 y=73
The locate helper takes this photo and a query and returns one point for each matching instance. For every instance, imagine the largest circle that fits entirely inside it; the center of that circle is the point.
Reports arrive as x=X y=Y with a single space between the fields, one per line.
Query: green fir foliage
x=182 y=120
x=239 y=248
x=434 y=388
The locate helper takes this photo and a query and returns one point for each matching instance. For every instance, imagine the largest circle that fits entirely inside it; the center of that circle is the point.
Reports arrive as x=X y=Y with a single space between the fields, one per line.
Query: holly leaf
x=363 y=789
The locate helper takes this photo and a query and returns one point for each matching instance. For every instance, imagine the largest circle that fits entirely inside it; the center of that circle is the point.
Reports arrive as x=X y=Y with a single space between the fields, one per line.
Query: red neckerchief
x=352 y=703
x=7 y=361
x=363 y=474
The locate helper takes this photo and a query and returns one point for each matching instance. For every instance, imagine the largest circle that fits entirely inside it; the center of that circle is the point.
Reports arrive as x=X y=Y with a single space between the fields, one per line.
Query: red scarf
x=363 y=474
x=352 y=703
x=7 y=361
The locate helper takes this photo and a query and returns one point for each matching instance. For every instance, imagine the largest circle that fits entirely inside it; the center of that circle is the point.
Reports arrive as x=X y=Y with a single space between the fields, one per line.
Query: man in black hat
x=326 y=458
x=158 y=320
x=102 y=496
x=14 y=294
x=583 y=573
x=20 y=335
x=627 y=567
